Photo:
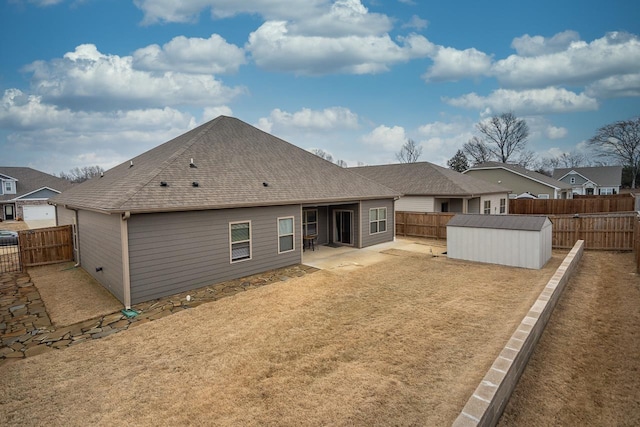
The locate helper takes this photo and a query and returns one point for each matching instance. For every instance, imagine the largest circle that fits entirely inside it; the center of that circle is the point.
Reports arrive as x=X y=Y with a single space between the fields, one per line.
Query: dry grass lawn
x=70 y=294
x=13 y=225
x=402 y=342
x=586 y=368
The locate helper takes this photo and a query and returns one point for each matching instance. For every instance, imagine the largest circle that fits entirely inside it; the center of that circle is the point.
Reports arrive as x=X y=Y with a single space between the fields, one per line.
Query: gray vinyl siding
x=64 y=216
x=100 y=246
x=579 y=179
x=42 y=194
x=369 y=239
x=174 y=252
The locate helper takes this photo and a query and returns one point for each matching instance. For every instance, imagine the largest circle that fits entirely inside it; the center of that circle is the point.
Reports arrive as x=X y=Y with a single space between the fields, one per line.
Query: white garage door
x=40 y=212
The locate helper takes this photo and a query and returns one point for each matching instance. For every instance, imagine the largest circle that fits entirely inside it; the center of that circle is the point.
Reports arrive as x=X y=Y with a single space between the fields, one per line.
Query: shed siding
x=100 y=246
x=415 y=204
x=175 y=252
x=64 y=216
x=369 y=239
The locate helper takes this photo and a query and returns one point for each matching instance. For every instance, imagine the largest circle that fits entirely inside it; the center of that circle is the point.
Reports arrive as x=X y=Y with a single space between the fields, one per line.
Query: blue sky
x=96 y=82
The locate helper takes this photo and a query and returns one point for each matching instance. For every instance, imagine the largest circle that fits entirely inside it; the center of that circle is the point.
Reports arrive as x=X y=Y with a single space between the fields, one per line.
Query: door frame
x=337 y=233
x=13 y=211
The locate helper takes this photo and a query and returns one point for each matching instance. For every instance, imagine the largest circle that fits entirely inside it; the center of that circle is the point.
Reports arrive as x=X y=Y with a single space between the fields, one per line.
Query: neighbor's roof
x=427 y=179
x=604 y=176
x=519 y=170
x=503 y=222
x=30 y=180
x=232 y=161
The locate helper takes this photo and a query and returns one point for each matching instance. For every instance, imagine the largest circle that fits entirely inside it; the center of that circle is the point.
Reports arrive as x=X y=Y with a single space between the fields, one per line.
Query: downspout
x=124 y=244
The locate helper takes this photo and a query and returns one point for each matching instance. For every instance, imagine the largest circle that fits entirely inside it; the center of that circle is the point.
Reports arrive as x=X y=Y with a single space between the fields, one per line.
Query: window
x=285 y=235
x=503 y=206
x=572 y=180
x=512 y=195
x=310 y=222
x=487 y=207
x=377 y=220
x=543 y=196
x=606 y=191
x=240 y=237
x=8 y=187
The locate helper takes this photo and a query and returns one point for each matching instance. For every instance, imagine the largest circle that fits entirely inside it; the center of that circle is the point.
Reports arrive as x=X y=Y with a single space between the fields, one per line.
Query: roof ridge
x=166 y=163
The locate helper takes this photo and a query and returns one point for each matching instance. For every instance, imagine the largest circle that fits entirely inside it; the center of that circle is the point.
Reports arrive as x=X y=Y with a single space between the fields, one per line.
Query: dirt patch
x=586 y=367
x=70 y=294
x=401 y=342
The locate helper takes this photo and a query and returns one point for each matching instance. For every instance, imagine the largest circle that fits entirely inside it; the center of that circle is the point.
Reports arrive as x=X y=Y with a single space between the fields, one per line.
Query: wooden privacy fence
x=616 y=231
x=419 y=224
x=46 y=245
x=585 y=205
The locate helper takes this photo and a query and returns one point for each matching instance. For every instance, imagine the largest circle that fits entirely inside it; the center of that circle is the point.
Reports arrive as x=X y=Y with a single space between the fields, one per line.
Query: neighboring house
x=426 y=187
x=521 y=181
x=222 y=201
x=24 y=193
x=600 y=180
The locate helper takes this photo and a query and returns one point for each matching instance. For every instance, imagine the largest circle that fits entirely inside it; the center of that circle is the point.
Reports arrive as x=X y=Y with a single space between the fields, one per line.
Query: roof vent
x=192 y=165
x=131 y=163
x=266 y=184
x=101 y=174
x=195 y=184
x=163 y=184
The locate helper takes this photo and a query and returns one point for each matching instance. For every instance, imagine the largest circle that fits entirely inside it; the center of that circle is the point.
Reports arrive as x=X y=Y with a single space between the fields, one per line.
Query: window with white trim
x=377 y=220
x=240 y=240
x=543 y=196
x=503 y=206
x=286 y=235
x=487 y=207
x=8 y=187
x=310 y=222
x=606 y=191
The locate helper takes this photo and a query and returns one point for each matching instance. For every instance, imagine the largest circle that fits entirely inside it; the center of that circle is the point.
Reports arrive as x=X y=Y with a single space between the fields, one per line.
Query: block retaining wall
x=489 y=399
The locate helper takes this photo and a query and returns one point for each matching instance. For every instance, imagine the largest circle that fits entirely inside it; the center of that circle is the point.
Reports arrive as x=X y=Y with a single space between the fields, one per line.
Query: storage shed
x=514 y=240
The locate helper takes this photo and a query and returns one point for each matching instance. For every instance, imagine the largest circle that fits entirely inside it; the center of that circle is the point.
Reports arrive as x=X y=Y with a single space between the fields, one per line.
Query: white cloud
x=614 y=54
x=388 y=138
x=539 y=45
x=273 y=48
x=615 y=87
x=416 y=22
x=210 y=113
x=535 y=101
x=191 y=55
x=87 y=78
x=554 y=132
x=329 y=119
x=156 y=11
x=450 y=64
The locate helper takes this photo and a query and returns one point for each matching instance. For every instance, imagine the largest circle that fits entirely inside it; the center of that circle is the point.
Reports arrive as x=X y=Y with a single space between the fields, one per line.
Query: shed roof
x=234 y=164
x=427 y=179
x=503 y=222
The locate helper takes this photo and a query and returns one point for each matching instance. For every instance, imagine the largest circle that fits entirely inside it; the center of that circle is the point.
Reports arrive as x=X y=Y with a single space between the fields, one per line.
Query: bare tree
x=341 y=163
x=410 y=152
x=501 y=138
x=573 y=159
x=81 y=174
x=620 y=141
x=322 y=154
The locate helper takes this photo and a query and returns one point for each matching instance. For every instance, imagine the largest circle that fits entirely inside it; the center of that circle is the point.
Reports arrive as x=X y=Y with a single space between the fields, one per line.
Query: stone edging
x=489 y=399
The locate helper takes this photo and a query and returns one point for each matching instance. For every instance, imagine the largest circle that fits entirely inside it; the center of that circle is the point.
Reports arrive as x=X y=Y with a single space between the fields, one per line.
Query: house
x=24 y=193
x=600 y=180
x=513 y=240
x=426 y=187
x=222 y=201
x=521 y=181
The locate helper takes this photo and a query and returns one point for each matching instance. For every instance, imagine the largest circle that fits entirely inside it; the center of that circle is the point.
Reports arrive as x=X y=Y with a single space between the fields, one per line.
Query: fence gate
x=10 y=256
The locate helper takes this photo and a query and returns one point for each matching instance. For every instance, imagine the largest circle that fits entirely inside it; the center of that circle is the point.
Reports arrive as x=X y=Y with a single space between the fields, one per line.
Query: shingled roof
x=30 y=180
x=604 y=176
x=519 y=170
x=427 y=179
x=234 y=165
x=502 y=222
